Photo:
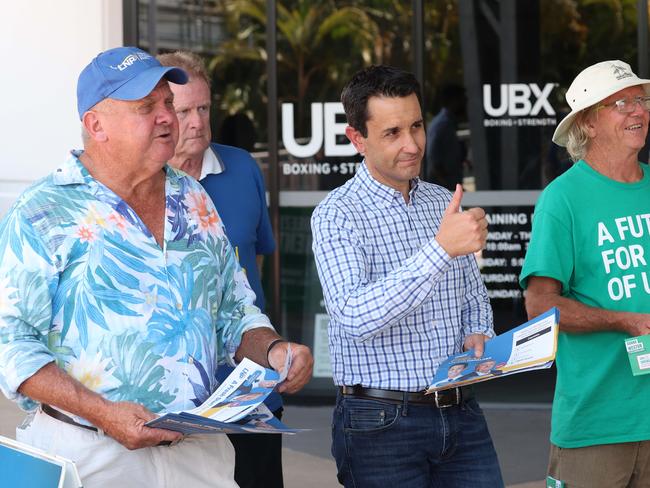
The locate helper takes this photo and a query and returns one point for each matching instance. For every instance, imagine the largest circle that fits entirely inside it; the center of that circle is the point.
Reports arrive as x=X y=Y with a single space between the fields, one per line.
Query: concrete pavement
x=520 y=434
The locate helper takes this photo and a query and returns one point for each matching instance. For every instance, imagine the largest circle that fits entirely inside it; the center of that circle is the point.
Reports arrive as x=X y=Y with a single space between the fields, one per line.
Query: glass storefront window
x=505 y=63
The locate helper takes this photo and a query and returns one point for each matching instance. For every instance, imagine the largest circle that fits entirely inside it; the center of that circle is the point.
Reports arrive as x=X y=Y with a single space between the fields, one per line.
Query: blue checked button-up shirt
x=84 y=283
x=398 y=304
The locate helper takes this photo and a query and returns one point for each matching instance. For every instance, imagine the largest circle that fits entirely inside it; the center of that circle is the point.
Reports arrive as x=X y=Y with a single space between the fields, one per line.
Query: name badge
x=553 y=483
x=638 y=352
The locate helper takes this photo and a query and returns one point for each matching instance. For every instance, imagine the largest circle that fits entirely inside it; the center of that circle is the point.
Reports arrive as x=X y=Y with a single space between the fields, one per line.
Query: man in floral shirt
x=120 y=294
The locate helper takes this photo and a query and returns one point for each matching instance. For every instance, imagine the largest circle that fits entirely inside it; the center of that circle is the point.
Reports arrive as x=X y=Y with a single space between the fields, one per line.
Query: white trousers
x=197 y=461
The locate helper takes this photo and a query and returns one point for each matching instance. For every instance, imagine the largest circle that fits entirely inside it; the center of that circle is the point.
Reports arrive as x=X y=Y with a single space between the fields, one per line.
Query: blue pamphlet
x=236 y=407
x=527 y=347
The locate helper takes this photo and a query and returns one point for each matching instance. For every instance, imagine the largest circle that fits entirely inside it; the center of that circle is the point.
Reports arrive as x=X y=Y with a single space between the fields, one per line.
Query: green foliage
x=321 y=43
x=577 y=34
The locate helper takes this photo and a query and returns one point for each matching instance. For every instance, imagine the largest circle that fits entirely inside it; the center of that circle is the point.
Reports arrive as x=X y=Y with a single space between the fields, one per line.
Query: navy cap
x=123 y=73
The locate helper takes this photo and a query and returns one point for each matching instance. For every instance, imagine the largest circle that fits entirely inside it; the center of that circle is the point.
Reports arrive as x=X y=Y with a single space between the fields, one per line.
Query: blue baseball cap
x=123 y=73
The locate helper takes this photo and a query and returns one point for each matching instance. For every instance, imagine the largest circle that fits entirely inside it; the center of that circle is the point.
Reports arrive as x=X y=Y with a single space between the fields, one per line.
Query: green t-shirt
x=592 y=234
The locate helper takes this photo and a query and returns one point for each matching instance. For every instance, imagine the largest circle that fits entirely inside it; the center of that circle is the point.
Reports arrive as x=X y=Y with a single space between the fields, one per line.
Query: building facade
x=281 y=64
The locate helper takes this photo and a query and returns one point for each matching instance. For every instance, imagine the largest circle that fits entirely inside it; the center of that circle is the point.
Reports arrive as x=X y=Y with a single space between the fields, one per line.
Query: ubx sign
x=516 y=100
x=324 y=127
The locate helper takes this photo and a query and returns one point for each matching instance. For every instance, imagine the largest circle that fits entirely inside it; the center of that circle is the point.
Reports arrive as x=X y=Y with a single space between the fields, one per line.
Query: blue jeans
x=381 y=444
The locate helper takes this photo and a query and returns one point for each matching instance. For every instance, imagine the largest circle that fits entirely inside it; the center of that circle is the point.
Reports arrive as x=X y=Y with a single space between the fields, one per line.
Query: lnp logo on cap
x=130 y=59
x=620 y=72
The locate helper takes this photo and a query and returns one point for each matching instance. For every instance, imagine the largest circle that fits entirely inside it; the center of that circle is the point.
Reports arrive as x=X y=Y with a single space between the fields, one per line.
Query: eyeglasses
x=628 y=105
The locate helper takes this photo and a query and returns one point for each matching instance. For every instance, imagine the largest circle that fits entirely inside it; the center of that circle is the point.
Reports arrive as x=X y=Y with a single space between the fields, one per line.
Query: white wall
x=44 y=44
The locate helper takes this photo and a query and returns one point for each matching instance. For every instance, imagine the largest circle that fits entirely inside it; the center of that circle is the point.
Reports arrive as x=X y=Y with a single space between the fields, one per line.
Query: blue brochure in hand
x=528 y=347
x=236 y=407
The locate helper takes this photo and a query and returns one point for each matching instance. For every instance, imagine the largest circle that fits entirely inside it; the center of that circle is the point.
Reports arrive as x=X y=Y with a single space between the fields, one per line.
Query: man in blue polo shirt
x=234 y=182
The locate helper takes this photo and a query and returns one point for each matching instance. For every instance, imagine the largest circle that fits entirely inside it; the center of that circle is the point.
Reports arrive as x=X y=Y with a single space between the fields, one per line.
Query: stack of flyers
x=235 y=407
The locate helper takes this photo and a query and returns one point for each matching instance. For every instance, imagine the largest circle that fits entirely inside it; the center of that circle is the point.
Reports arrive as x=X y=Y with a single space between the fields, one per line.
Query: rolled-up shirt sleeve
x=476 y=314
x=28 y=278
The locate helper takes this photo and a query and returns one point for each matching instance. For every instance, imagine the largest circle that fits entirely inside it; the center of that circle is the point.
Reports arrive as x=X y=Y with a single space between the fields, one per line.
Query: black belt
x=438 y=399
x=55 y=414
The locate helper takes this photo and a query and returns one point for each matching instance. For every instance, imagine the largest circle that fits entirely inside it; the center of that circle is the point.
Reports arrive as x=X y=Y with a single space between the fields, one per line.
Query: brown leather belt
x=55 y=414
x=438 y=399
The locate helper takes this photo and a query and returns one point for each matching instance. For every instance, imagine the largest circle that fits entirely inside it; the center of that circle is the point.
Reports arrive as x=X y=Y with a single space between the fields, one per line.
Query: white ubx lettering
x=324 y=127
x=515 y=100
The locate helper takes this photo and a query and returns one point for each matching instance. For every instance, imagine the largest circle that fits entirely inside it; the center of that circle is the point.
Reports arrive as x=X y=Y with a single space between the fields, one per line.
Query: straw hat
x=593 y=85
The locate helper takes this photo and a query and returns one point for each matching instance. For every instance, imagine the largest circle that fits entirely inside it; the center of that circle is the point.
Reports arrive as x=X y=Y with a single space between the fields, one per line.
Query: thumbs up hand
x=462 y=233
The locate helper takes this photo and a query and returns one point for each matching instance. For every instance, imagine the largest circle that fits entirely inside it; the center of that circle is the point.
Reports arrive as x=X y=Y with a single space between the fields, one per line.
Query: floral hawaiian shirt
x=84 y=283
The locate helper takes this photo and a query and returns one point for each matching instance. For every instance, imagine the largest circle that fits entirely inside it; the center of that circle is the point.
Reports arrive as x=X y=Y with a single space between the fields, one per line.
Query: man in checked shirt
x=403 y=291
